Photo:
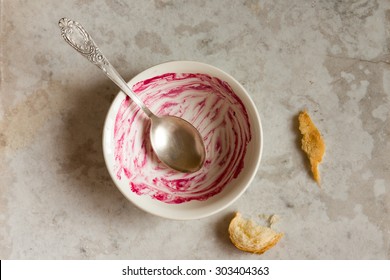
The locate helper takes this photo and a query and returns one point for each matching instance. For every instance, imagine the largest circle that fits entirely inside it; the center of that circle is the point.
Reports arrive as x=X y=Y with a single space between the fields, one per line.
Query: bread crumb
x=312 y=143
x=270 y=219
x=273 y=219
x=251 y=237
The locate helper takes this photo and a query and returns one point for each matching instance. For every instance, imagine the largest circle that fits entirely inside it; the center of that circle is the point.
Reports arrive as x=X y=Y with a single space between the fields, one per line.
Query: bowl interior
x=218 y=106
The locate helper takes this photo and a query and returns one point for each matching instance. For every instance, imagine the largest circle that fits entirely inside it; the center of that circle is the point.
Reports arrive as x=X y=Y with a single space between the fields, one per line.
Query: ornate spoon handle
x=76 y=36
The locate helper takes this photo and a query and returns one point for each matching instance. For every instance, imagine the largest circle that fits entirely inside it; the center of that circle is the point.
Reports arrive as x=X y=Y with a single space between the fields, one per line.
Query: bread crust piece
x=312 y=143
x=250 y=237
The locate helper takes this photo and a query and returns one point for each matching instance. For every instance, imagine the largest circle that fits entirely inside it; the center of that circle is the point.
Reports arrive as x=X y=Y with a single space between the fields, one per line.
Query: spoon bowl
x=175 y=141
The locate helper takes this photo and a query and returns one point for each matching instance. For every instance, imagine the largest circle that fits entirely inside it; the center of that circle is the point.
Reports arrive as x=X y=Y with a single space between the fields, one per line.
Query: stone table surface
x=57 y=200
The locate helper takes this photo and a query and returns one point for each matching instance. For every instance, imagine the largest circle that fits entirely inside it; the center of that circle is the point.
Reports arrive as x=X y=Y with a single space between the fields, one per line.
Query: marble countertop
x=57 y=200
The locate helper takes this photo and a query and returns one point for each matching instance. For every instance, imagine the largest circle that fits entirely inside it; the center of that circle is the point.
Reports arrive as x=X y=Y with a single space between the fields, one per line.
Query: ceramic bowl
x=223 y=112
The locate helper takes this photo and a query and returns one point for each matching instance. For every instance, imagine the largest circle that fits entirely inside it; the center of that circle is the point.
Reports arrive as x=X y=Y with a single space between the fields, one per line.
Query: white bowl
x=223 y=112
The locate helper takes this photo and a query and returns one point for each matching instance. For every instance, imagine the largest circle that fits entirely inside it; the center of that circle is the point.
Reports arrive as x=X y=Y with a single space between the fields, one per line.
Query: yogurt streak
x=212 y=107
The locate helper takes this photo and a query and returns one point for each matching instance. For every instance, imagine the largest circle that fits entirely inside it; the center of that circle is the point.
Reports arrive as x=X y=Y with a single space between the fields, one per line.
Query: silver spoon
x=174 y=140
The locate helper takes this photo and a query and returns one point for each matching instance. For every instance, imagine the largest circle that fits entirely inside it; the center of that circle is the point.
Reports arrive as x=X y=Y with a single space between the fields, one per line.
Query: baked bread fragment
x=250 y=237
x=312 y=143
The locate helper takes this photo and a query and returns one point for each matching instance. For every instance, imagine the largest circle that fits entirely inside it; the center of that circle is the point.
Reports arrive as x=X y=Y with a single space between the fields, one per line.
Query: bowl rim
x=195 y=214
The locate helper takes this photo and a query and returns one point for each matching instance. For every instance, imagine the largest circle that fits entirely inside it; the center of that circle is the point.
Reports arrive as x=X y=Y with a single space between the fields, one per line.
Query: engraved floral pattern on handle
x=76 y=36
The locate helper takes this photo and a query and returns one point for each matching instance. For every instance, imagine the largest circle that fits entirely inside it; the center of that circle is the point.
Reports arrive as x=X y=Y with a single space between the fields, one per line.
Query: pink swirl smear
x=212 y=107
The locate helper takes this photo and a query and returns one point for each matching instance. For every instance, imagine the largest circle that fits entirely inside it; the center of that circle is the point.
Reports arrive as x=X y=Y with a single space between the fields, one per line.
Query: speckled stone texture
x=57 y=200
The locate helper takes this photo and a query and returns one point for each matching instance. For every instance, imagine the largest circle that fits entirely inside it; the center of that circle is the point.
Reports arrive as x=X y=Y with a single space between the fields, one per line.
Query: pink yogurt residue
x=212 y=107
